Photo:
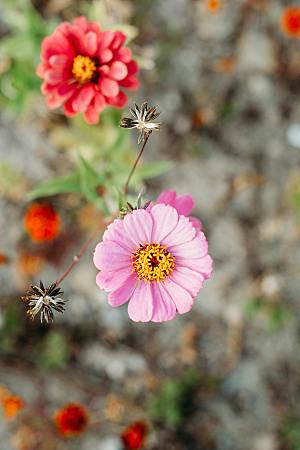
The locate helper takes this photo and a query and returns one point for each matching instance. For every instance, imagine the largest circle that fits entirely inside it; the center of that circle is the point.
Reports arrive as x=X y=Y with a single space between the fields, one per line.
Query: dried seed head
x=143 y=120
x=43 y=300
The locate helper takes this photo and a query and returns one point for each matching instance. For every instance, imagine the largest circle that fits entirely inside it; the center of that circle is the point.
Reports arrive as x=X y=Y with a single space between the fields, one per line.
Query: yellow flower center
x=152 y=262
x=83 y=69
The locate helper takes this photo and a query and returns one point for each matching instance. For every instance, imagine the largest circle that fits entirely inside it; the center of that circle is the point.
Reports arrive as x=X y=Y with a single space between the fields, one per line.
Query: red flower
x=71 y=420
x=85 y=69
x=134 y=436
x=290 y=21
x=42 y=222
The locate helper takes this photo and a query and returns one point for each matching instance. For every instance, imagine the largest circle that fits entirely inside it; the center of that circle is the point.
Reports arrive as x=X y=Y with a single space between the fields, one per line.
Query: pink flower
x=85 y=69
x=154 y=259
x=184 y=204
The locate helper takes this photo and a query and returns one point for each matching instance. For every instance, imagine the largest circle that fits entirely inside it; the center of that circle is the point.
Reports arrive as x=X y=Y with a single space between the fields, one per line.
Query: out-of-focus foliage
x=173 y=402
x=275 y=314
x=19 y=53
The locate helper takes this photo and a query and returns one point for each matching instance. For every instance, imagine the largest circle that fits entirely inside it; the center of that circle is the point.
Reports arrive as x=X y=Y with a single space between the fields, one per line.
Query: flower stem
x=135 y=164
x=77 y=257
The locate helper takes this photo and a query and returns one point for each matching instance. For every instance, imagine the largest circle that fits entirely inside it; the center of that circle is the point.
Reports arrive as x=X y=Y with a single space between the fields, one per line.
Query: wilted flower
x=43 y=300
x=71 y=420
x=134 y=436
x=290 y=21
x=42 y=222
x=143 y=120
x=12 y=404
x=155 y=259
x=85 y=69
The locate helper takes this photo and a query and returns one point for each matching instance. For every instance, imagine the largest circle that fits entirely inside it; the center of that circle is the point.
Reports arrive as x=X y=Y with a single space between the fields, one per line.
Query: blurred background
x=226 y=376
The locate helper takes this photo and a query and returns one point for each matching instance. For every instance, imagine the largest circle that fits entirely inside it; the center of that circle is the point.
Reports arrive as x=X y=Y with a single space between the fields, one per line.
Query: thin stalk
x=135 y=164
x=77 y=257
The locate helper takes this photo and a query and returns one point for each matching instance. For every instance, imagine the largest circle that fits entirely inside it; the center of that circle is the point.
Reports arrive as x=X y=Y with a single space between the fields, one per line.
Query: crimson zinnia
x=85 y=69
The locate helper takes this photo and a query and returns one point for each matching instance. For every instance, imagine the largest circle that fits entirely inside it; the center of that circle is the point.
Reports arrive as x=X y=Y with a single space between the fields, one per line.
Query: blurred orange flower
x=290 y=21
x=42 y=222
x=213 y=5
x=71 y=420
x=3 y=259
x=12 y=404
x=29 y=263
x=134 y=436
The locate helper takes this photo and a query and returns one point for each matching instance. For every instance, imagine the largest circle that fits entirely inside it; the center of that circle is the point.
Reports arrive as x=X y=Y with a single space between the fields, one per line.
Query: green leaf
x=66 y=184
x=89 y=181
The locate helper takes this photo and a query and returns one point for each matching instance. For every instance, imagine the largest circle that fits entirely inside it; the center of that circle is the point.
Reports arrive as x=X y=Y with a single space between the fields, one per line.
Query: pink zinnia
x=85 y=69
x=156 y=260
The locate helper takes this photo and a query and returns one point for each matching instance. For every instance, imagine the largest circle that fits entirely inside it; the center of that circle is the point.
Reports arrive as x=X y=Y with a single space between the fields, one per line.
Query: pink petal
x=58 y=61
x=110 y=256
x=184 y=232
x=91 y=115
x=84 y=97
x=167 y=197
x=110 y=281
x=196 y=223
x=54 y=101
x=109 y=88
x=124 y=54
x=52 y=77
x=180 y=296
x=66 y=89
x=116 y=232
x=132 y=67
x=165 y=219
x=163 y=306
x=68 y=107
x=140 y=307
x=130 y=83
x=91 y=43
x=188 y=279
x=202 y=265
x=195 y=249
x=138 y=227
x=184 y=204
x=119 y=39
x=118 y=70
x=81 y=22
x=99 y=102
x=106 y=38
x=123 y=294
x=119 y=101
x=105 y=55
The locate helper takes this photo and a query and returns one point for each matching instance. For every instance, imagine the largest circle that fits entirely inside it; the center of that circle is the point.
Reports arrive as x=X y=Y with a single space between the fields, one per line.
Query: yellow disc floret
x=83 y=69
x=153 y=262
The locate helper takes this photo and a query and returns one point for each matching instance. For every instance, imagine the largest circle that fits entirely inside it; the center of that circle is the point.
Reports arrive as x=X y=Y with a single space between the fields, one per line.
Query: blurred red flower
x=71 y=420
x=85 y=69
x=134 y=436
x=290 y=21
x=42 y=222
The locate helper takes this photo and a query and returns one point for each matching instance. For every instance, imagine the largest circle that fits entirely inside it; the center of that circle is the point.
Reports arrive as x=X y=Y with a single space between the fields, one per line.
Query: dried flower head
x=43 y=300
x=42 y=222
x=290 y=21
x=134 y=436
x=71 y=420
x=143 y=120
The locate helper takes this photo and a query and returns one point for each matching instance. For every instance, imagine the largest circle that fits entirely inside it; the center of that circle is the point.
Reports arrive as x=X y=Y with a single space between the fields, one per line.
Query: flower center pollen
x=152 y=262
x=83 y=69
